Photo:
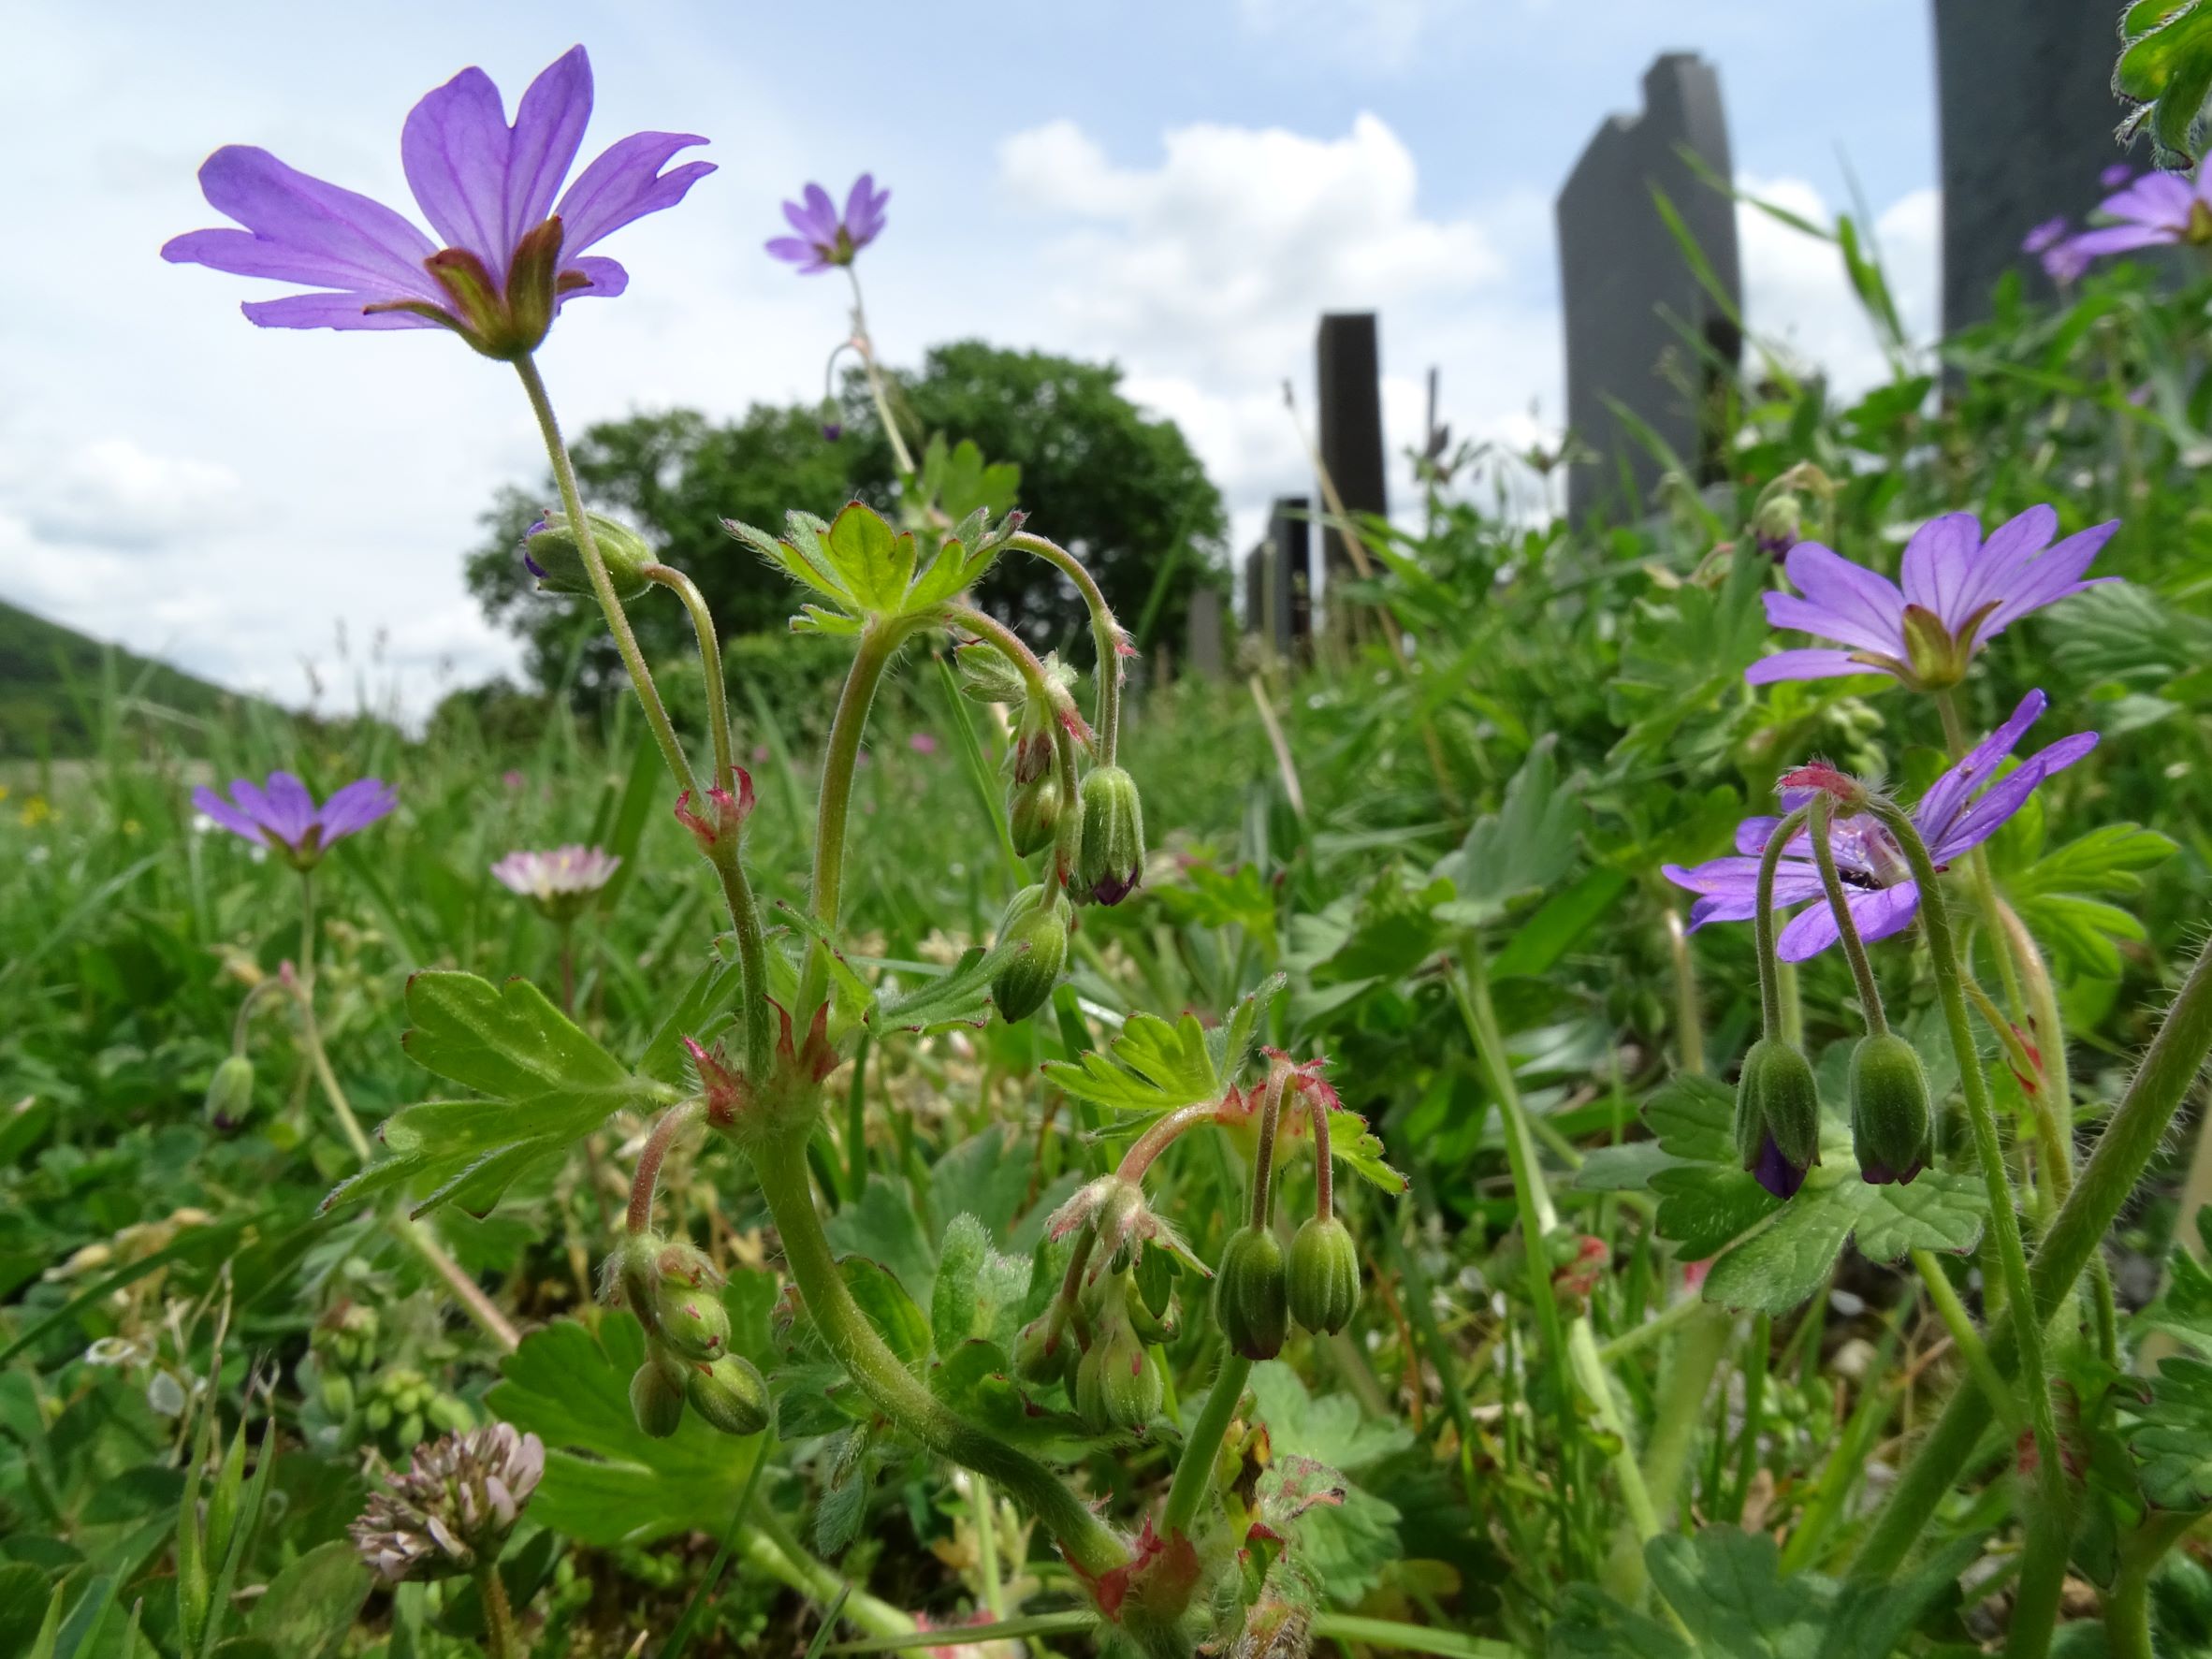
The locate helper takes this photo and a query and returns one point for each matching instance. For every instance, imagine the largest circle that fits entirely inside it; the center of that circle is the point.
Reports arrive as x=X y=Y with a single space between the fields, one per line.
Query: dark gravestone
x=1275 y=582
x=2025 y=118
x=1347 y=369
x=1629 y=292
x=1202 y=651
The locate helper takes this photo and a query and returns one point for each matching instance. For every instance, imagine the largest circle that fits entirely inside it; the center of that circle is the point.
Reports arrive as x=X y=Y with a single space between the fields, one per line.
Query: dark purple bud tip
x=1112 y=890
x=1775 y=1172
x=535 y=568
x=831 y=431
x=1877 y=1174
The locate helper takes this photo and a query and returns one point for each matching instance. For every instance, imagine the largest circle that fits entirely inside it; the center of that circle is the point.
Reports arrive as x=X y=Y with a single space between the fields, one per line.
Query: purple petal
x=2011 y=547
x=300 y=229
x=625 y=182
x=1729 y=887
x=355 y=807
x=1775 y=1172
x=548 y=128
x=2051 y=578
x=1987 y=816
x=455 y=149
x=223 y=813
x=1938 y=564
x=1949 y=794
x=1877 y=915
x=1851 y=590
x=822 y=211
x=1804 y=665
x=291 y=808
x=791 y=248
x=608 y=278
x=2156 y=199
x=328 y=311
x=864 y=210
x=2123 y=239
x=1786 y=610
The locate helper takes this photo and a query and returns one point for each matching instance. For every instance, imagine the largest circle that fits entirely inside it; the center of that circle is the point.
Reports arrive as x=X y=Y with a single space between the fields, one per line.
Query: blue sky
x=1180 y=188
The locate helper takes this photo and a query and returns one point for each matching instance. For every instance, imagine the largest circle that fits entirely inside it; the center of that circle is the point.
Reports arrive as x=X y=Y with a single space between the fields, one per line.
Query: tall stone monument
x=1628 y=291
x=1347 y=369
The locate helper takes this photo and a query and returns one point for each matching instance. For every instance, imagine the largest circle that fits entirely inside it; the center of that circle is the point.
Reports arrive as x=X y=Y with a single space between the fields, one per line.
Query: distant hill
x=52 y=680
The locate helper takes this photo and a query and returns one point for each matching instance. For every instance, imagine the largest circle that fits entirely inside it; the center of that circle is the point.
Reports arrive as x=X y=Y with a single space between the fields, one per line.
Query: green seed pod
x=694 y=1323
x=1251 y=1300
x=1033 y=814
x=657 y=1397
x=1025 y=983
x=729 y=1395
x=553 y=557
x=337 y=1391
x=1777 y=1116
x=1324 y=1275
x=1043 y=1356
x=1112 y=861
x=230 y=1093
x=1889 y=1114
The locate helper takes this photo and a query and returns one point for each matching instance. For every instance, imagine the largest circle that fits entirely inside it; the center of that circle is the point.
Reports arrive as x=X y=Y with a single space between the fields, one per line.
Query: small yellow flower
x=35 y=813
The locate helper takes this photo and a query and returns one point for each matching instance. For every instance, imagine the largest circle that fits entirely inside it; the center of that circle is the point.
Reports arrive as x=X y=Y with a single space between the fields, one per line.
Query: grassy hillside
x=53 y=681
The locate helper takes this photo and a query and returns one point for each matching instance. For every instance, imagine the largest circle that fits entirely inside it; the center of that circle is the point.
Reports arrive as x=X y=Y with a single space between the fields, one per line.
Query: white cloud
x=1797 y=295
x=112 y=492
x=1378 y=35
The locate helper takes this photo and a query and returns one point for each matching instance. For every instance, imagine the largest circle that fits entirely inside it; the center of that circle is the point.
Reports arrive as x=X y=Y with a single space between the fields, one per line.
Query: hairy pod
x=1117 y=1388
x=657 y=1397
x=1777 y=1115
x=1324 y=1275
x=1890 y=1122
x=729 y=1395
x=692 y=1321
x=1025 y=983
x=1251 y=1299
x=1033 y=814
x=1112 y=860
x=230 y=1092
x=551 y=552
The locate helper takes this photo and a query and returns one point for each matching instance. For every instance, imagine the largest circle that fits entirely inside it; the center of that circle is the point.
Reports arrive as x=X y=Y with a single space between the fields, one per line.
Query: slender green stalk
x=602 y=586
x=499 y=1641
x=1771 y=1019
x=1755 y=1405
x=1011 y=646
x=2127 y=1604
x=785 y=1182
x=1688 y=1018
x=1696 y=1355
x=2129 y=1140
x=1665 y=1323
x=1967 y=1340
x=864 y=343
x=878 y=641
x=2038 y=1603
x=1194 y=1469
x=1106 y=636
x=1854 y=948
x=985 y=1511
x=768 y=1545
x=710 y=661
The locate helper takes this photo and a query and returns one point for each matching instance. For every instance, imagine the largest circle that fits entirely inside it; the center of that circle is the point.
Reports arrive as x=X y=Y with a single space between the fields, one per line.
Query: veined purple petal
x=355 y=807
x=1728 y=887
x=1938 y=564
x=329 y=237
x=2011 y=547
x=815 y=218
x=2007 y=796
x=454 y=148
x=1836 y=583
x=608 y=277
x=2124 y=238
x=1877 y=915
x=1786 y=610
x=548 y=129
x=2052 y=576
x=1947 y=795
x=228 y=816
x=2156 y=199
x=864 y=210
x=624 y=184
x=328 y=311
x=1812 y=664
x=793 y=249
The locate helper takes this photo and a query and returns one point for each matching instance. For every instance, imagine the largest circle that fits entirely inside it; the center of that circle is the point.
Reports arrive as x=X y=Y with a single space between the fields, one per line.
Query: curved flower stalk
x=1962 y=808
x=1958 y=594
x=512 y=256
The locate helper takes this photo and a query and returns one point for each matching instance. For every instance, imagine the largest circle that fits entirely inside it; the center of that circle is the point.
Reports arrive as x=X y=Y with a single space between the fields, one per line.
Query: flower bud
x=1889 y=1114
x=553 y=557
x=1033 y=814
x=1042 y=1355
x=1026 y=983
x=1250 y=1297
x=692 y=1322
x=1117 y=1387
x=1324 y=1275
x=1779 y=524
x=657 y=1397
x=1777 y=1116
x=729 y=1395
x=1113 y=859
x=230 y=1093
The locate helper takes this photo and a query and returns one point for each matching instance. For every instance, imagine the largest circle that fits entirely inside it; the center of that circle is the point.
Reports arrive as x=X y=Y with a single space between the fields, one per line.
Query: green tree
x=1120 y=488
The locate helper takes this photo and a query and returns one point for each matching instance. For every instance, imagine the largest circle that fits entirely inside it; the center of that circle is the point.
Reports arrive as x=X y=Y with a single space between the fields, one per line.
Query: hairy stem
x=2008 y=974
x=710 y=661
x=1688 y=1019
x=646 y=1182
x=1854 y=948
x=499 y=1641
x=2128 y=1142
x=785 y=1182
x=878 y=641
x=2127 y=1604
x=1772 y=1021
x=1194 y=1469
x=1106 y=636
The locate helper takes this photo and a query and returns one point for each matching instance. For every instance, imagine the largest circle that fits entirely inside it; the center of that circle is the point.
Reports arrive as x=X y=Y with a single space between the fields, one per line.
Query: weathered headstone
x=1201 y=625
x=2025 y=114
x=1276 y=604
x=1347 y=372
x=1629 y=292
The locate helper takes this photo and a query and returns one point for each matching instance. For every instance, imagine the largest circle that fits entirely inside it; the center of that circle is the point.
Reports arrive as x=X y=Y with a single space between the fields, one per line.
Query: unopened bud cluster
x=676 y=1294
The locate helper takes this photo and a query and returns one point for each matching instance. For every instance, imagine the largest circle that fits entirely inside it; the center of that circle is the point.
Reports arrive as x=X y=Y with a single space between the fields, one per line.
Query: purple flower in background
x=1961 y=809
x=560 y=883
x=2158 y=208
x=280 y=813
x=2116 y=174
x=1959 y=593
x=512 y=254
x=826 y=237
x=2050 y=241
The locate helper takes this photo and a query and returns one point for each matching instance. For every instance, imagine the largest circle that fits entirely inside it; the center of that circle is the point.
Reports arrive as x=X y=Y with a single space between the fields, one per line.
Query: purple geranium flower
x=1961 y=809
x=2115 y=175
x=282 y=815
x=2158 y=208
x=2062 y=260
x=827 y=237
x=1959 y=593
x=512 y=254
